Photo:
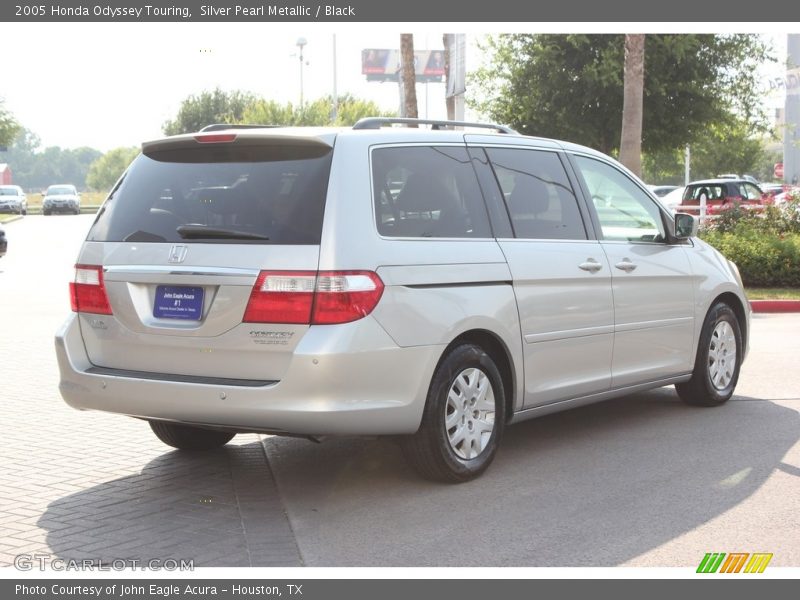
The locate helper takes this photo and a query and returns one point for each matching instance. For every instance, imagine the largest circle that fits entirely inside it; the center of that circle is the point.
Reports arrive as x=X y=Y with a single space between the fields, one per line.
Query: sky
x=106 y=85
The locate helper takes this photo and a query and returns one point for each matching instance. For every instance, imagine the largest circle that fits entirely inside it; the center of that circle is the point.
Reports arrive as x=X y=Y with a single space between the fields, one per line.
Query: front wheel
x=185 y=437
x=719 y=358
x=463 y=420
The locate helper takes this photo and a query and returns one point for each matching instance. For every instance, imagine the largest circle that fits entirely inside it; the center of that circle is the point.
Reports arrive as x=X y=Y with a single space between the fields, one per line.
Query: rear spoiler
x=244 y=137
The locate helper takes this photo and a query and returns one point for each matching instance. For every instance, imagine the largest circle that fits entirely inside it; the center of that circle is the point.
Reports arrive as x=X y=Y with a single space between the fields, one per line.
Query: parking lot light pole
x=301 y=42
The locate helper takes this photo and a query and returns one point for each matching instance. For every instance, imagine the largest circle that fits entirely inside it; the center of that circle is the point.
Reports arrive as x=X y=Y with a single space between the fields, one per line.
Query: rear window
x=235 y=194
x=427 y=192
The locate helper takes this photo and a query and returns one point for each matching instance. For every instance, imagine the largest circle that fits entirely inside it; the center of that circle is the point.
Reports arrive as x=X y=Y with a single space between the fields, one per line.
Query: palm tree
x=408 y=76
x=630 y=147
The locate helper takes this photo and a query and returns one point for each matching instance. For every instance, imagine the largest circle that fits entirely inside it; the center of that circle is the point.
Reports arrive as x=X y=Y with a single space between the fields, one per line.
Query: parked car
x=749 y=178
x=662 y=190
x=3 y=242
x=432 y=284
x=721 y=193
x=773 y=189
x=673 y=199
x=61 y=198
x=13 y=200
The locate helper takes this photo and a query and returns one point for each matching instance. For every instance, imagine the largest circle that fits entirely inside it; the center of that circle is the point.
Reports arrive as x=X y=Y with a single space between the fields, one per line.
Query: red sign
x=778 y=172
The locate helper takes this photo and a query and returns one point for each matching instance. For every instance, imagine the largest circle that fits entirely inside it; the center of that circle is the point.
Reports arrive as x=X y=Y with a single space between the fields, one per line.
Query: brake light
x=215 y=138
x=345 y=296
x=315 y=298
x=88 y=292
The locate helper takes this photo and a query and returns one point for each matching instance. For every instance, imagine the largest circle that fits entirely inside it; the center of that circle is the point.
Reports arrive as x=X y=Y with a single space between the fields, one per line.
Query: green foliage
x=726 y=147
x=571 y=86
x=238 y=107
x=36 y=168
x=765 y=246
x=9 y=128
x=763 y=259
x=317 y=113
x=104 y=172
x=216 y=106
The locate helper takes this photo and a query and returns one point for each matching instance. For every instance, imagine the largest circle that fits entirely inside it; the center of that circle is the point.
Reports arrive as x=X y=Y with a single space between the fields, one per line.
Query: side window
x=752 y=192
x=540 y=200
x=427 y=191
x=625 y=212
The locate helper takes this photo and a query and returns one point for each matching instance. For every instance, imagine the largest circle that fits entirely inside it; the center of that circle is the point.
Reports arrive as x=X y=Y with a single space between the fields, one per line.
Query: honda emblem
x=177 y=253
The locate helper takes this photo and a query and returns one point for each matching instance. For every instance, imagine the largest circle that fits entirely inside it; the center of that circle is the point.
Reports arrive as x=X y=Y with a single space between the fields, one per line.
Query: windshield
x=9 y=192
x=269 y=195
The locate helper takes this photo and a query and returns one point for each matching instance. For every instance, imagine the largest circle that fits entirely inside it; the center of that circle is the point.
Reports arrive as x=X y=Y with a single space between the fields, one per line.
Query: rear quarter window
x=427 y=192
x=269 y=194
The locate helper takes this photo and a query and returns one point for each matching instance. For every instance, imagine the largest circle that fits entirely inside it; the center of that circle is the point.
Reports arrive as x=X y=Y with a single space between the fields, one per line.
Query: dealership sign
x=379 y=64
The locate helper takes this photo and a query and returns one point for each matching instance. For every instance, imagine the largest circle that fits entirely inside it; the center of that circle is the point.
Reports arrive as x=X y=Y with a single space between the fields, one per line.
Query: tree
x=630 y=146
x=729 y=147
x=571 y=86
x=36 y=168
x=207 y=108
x=8 y=127
x=350 y=109
x=104 y=172
x=408 y=75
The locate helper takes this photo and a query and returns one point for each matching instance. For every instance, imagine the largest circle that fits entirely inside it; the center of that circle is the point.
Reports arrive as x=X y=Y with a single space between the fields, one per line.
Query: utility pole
x=791 y=132
x=335 y=108
x=301 y=42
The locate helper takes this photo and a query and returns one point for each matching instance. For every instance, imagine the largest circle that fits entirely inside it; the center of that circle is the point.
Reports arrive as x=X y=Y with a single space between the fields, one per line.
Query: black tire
x=186 y=437
x=701 y=389
x=430 y=450
x=46 y=213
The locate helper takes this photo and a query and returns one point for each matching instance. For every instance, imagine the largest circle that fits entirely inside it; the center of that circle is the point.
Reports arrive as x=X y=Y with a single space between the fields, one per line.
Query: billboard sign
x=380 y=64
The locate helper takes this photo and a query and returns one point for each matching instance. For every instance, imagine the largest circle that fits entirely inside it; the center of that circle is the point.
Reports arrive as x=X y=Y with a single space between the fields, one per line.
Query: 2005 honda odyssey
x=430 y=283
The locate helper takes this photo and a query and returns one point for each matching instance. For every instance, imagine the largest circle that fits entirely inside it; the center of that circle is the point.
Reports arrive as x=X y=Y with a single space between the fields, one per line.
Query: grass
x=773 y=293
x=7 y=217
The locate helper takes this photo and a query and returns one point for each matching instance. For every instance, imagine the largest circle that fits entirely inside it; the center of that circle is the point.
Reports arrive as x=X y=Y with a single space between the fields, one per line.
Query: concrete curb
x=775 y=306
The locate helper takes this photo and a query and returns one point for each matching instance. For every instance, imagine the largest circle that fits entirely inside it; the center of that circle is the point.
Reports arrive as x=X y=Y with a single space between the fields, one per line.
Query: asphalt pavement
x=638 y=481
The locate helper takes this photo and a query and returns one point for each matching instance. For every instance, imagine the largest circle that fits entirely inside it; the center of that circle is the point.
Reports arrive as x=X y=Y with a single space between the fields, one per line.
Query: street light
x=301 y=42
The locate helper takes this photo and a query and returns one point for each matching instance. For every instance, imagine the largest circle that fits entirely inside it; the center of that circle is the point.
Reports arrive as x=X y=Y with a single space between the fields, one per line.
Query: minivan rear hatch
x=180 y=243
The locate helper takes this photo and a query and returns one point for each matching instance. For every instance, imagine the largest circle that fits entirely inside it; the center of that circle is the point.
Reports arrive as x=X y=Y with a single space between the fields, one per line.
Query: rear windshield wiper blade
x=204 y=231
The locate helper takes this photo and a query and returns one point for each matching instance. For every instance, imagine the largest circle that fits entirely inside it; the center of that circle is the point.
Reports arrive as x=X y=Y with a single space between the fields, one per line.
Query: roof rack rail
x=378 y=122
x=221 y=126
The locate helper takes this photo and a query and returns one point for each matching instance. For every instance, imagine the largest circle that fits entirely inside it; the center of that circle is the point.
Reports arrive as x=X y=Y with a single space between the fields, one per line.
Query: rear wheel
x=46 y=213
x=719 y=357
x=463 y=421
x=185 y=437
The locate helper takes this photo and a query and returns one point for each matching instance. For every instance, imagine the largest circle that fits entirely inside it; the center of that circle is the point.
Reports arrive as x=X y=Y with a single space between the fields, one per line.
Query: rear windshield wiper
x=204 y=231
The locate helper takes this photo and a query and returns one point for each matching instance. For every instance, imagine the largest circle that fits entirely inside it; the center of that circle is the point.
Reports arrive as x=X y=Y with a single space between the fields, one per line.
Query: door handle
x=625 y=265
x=590 y=265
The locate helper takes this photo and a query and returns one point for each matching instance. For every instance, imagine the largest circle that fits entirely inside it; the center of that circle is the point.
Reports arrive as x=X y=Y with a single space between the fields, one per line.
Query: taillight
x=344 y=296
x=281 y=297
x=310 y=297
x=88 y=292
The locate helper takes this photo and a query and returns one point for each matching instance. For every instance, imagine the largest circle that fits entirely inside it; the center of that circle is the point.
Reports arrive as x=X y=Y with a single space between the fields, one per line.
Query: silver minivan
x=435 y=284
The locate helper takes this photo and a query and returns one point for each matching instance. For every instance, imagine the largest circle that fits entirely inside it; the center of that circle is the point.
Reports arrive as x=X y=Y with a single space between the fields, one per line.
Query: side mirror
x=685 y=226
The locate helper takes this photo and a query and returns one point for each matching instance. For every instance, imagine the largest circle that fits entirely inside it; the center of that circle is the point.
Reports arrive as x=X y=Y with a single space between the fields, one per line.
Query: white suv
x=13 y=200
x=429 y=283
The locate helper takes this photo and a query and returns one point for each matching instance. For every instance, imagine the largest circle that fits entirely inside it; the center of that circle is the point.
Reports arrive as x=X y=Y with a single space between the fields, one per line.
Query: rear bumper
x=376 y=389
